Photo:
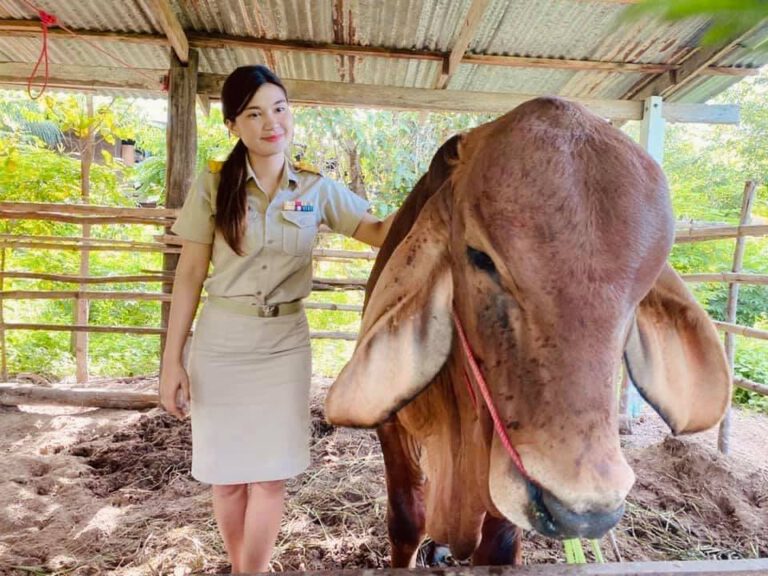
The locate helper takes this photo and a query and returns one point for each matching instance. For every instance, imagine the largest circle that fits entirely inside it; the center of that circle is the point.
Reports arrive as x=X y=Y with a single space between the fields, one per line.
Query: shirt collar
x=288 y=175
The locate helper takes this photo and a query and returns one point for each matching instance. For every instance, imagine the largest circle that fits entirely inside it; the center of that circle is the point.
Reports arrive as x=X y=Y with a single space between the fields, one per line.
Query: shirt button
x=258 y=292
x=270 y=241
x=264 y=267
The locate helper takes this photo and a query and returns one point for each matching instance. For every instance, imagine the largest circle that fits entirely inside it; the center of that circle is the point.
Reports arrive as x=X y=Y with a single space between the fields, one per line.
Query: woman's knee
x=270 y=487
x=229 y=490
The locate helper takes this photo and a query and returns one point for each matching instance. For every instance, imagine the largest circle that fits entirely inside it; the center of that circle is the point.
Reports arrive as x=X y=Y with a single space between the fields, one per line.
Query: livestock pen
x=88 y=490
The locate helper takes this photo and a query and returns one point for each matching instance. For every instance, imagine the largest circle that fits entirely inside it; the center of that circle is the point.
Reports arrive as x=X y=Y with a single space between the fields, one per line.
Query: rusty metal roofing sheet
x=73 y=51
x=108 y=15
x=571 y=29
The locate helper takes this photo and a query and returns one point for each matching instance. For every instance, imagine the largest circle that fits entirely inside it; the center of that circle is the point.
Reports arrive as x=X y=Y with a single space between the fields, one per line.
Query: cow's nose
x=551 y=517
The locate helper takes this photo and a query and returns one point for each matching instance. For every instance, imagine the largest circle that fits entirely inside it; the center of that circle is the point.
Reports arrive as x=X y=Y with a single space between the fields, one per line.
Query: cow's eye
x=481 y=260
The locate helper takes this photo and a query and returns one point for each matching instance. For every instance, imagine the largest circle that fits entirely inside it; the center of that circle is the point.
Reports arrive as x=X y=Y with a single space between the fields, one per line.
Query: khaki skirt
x=250 y=380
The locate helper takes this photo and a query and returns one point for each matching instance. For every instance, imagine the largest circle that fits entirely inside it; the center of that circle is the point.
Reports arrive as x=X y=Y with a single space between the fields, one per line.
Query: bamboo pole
x=727 y=277
x=144 y=296
x=723 y=437
x=750 y=385
x=89 y=209
x=3 y=346
x=696 y=234
x=16 y=394
x=82 y=306
x=72 y=279
x=90 y=247
x=320 y=335
x=76 y=240
x=53 y=217
x=730 y=328
x=90 y=295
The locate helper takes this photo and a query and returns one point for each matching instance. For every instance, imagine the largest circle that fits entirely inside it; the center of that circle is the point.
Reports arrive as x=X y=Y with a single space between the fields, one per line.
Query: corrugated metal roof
x=570 y=29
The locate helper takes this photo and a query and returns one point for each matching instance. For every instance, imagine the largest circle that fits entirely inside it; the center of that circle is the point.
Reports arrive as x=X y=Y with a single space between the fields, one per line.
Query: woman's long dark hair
x=238 y=89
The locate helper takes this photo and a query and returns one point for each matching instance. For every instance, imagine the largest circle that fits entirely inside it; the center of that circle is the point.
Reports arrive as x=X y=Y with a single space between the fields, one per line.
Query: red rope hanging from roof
x=47 y=20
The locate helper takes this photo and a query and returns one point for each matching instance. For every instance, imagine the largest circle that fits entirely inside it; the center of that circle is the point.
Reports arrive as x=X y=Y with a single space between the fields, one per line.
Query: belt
x=255 y=309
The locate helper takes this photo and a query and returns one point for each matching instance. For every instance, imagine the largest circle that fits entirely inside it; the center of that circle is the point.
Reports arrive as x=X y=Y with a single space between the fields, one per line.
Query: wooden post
x=181 y=143
x=732 y=305
x=81 y=304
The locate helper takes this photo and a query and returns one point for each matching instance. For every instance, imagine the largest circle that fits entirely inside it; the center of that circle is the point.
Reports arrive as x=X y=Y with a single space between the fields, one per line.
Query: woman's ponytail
x=231 y=198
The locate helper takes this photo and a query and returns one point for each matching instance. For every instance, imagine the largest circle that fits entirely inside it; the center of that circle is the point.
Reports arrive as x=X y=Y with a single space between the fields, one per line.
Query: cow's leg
x=405 y=493
x=501 y=543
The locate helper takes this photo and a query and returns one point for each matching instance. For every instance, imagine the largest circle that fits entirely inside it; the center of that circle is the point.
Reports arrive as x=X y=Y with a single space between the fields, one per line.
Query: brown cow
x=544 y=233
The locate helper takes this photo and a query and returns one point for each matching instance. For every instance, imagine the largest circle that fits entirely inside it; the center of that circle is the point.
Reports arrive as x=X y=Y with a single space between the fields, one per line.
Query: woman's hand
x=174 y=389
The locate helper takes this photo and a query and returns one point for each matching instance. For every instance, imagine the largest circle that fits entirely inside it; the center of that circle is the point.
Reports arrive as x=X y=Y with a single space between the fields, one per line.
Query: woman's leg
x=229 y=505
x=262 y=523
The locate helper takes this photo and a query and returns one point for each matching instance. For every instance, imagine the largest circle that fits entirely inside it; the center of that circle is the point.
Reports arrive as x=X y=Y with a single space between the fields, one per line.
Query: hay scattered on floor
x=124 y=503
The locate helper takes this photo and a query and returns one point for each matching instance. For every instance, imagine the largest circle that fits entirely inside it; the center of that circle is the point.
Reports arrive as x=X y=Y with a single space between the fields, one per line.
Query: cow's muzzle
x=550 y=517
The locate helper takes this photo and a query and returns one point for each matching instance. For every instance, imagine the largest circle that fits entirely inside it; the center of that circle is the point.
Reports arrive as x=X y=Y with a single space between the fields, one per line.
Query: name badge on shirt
x=298 y=206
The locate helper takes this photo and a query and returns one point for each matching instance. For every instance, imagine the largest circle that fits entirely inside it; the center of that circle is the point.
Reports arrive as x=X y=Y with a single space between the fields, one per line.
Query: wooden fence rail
x=170 y=244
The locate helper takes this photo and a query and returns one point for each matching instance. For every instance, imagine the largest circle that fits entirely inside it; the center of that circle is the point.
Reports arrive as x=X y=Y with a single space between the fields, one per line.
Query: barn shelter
x=467 y=55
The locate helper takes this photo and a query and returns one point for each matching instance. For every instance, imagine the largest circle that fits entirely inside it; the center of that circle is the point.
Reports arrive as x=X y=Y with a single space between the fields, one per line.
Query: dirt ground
x=92 y=491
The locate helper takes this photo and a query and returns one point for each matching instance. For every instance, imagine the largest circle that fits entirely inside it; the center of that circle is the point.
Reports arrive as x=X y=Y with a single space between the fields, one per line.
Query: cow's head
x=549 y=241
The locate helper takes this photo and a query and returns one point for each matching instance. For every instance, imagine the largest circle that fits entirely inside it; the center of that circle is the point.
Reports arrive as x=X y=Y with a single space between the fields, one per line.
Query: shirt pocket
x=299 y=231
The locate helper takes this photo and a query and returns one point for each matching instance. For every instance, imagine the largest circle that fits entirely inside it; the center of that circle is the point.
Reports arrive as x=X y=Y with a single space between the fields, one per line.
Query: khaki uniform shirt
x=277 y=243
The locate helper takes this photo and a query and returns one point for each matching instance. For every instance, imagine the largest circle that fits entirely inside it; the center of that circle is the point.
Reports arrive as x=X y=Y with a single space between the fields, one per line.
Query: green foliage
x=213 y=142
x=25 y=120
x=705 y=165
x=394 y=148
x=729 y=18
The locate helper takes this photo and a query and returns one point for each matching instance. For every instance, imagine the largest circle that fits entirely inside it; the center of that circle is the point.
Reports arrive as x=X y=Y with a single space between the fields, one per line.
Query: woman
x=255 y=218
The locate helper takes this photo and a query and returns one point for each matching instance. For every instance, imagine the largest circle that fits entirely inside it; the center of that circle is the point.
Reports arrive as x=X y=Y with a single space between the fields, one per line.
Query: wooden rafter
x=691 y=68
x=468 y=30
x=172 y=28
x=371 y=96
x=27 y=28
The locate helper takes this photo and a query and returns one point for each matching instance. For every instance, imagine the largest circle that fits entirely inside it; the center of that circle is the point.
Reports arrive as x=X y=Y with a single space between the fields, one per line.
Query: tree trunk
x=356 y=182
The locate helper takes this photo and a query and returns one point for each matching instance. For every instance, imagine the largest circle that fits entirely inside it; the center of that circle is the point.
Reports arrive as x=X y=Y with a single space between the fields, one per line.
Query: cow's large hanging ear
x=676 y=359
x=407 y=327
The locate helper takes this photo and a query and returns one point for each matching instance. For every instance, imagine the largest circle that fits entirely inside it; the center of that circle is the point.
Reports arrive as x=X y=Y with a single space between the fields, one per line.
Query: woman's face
x=266 y=124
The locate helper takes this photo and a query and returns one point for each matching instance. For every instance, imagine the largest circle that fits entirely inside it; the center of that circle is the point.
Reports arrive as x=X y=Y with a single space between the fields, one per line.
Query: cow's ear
x=407 y=327
x=675 y=357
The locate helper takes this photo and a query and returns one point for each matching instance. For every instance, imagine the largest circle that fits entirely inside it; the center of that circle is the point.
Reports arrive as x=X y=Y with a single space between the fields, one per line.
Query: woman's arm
x=191 y=272
x=373 y=231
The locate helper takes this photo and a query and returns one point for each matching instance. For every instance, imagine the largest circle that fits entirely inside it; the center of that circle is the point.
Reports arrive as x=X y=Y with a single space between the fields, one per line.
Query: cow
x=525 y=265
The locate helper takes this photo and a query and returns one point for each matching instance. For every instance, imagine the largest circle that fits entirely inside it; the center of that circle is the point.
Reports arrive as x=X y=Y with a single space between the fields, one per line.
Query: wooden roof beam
x=172 y=28
x=690 y=69
x=27 y=28
x=468 y=30
x=360 y=95
x=370 y=96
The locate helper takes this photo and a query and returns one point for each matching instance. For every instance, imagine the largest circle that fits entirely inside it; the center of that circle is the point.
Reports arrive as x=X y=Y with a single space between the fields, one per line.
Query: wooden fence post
x=81 y=304
x=732 y=305
x=181 y=143
x=3 y=349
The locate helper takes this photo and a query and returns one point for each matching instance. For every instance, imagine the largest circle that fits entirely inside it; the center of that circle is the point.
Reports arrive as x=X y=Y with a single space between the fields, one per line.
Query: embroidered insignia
x=215 y=166
x=306 y=167
x=298 y=206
